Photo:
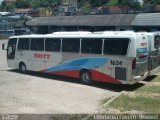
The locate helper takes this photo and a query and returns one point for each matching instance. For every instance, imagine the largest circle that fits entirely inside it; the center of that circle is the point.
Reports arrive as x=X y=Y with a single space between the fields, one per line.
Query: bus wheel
x=86 y=77
x=22 y=68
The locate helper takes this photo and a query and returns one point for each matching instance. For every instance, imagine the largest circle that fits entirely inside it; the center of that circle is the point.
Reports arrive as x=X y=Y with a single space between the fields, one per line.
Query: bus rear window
x=157 y=42
x=116 y=46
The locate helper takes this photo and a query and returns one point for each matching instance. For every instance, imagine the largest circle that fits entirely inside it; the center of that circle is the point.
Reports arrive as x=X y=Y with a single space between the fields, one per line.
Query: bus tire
x=85 y=77
x=22 y=67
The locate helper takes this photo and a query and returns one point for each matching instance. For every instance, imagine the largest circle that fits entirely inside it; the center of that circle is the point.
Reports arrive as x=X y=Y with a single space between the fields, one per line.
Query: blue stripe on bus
x=142 y=50
x=88 y=63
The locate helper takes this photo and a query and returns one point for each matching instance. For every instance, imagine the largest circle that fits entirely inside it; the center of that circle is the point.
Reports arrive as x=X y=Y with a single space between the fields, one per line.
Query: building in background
x=23 y=11
x=68 y=7
x=119 y=22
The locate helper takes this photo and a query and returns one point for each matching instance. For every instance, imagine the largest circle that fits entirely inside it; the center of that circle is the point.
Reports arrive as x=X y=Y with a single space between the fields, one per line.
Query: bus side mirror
x=4 y=46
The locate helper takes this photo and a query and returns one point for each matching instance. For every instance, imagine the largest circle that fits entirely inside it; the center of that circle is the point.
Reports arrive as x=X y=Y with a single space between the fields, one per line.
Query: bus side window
x=37 y=44
x=52 y=44
x=116 y=46
x=70 y=45
x=23 y=44
x=157 y=42
x=93 y=46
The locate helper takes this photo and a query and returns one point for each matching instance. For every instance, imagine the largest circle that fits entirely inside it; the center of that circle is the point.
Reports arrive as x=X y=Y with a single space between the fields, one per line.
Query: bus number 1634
x=113 y=62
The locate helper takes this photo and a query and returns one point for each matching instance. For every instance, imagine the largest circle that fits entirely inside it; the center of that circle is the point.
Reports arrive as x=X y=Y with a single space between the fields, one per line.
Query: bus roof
x=78 y=35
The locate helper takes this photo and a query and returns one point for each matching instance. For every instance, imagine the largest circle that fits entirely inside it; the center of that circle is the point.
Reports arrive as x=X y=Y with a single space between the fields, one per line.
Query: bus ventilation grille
x=120 y=73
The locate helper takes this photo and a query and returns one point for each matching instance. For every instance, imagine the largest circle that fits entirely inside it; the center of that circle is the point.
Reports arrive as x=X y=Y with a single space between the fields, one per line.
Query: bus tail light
x=134 y=63
x=141 y=55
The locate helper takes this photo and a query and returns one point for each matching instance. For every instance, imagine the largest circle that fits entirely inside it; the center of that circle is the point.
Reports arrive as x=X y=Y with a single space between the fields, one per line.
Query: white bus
x=113 y=58
x=154 y=52
x=153 y=46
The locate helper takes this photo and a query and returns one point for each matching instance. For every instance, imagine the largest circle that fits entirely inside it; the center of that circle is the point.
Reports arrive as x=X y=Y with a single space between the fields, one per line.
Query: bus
x=111 y=58
x=154 y=53
x=153 y=46
x=154 y=50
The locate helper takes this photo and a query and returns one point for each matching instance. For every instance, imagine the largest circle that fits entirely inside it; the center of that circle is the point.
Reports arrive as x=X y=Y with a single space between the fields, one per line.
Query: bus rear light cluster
x=134 y=63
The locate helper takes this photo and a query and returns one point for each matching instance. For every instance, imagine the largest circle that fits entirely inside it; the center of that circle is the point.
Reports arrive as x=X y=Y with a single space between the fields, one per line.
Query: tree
x=156 y=2
x=44 y=3
x=93 y=3
x=96 y=3
x=39 y=3
x=22 y=4
x=132 y=4
x=86 y=8
x=7 y=7
x=112 y=2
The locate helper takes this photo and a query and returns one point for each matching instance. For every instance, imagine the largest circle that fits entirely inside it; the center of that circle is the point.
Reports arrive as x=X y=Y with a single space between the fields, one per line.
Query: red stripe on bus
x=101 y=77
x=96 y=76
x=74 y=74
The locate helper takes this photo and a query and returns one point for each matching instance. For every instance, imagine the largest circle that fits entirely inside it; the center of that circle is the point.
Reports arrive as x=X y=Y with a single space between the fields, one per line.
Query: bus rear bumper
x=138 y=78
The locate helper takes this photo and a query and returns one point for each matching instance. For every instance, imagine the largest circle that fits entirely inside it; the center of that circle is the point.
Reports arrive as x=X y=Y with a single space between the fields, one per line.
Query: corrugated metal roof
x=147 y=19
x=88 y=20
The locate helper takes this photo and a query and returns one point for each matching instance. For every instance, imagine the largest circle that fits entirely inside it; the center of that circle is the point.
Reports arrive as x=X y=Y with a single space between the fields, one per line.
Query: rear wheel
x=22 y=68
x=86 y=77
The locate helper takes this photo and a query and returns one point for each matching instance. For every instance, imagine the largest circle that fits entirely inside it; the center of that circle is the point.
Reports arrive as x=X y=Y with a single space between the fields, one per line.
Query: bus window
x=93 y=46
x=52 y=44
x=70 y=45
x=116 y=46
x=11 y=48
x=23 y=44
x=37 y=44
x=157 y=42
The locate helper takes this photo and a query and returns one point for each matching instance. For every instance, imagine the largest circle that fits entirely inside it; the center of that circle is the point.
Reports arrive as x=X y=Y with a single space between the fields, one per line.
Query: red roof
x=23 y=10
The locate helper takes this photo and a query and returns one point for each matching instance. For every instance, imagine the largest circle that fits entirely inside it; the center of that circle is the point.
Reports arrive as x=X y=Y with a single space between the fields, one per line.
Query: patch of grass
x=146 y=104
x=105 y=100
x=149 y=89
x=156 y=79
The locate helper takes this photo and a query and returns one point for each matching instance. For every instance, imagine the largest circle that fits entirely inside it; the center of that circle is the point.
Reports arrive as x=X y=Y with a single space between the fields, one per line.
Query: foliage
x=112 y=2
x=39 y=3
x=134 y=5
x=95 y=3
x=86 y=8
x=44 y=3
x=157 y=2
x=6 y=7
x=22 y=4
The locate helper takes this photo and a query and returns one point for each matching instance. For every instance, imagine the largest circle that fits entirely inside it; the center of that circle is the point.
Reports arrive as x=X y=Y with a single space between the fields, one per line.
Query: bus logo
x=45 y=56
